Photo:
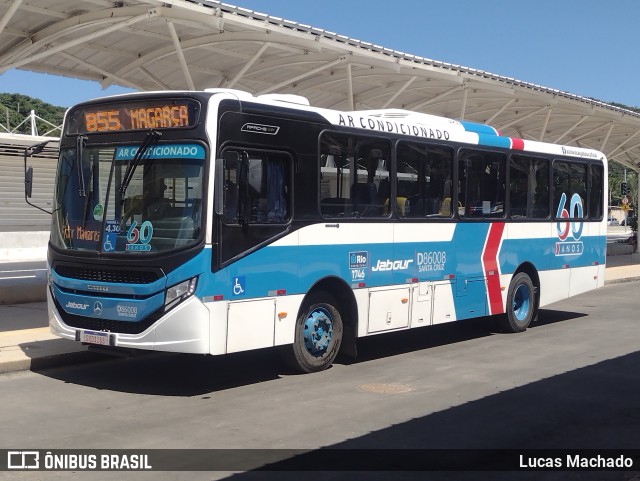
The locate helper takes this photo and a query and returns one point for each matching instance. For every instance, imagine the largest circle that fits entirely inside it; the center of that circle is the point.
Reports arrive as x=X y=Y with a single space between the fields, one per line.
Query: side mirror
x=28 y=175
x=28 y=182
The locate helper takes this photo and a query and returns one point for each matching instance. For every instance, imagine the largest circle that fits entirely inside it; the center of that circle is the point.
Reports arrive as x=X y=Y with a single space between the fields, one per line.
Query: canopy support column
x=180 y=53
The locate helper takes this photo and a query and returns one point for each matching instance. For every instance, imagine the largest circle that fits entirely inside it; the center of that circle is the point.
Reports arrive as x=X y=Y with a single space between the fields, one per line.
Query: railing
x=31 y=118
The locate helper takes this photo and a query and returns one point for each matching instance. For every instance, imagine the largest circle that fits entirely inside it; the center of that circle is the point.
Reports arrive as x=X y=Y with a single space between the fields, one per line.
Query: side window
x=257 y=187
x=424 y=180
x=481 y=184
x=528 y=188
x=596 y=191
x=354 y=176
x=569 y=189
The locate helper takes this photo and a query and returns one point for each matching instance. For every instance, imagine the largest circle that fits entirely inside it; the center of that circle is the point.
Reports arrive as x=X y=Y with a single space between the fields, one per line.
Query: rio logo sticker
x=358 y=263
x=569 y=231
x=143 y=235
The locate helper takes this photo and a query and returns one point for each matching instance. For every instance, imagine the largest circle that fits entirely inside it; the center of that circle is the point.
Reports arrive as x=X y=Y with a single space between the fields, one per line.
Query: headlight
x=178 y=293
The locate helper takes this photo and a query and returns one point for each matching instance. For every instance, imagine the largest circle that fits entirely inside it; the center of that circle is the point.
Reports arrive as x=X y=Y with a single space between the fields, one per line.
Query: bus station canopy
x=182 y=45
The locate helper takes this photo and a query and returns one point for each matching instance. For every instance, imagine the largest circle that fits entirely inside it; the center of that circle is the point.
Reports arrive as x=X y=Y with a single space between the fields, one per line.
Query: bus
x=216 y=222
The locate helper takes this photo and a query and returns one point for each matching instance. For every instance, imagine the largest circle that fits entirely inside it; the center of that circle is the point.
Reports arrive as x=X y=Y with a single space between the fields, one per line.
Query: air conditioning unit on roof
x=287 y=98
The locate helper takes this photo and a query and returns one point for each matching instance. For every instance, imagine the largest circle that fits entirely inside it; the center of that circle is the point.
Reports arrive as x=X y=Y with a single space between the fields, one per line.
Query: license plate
x=92 y=337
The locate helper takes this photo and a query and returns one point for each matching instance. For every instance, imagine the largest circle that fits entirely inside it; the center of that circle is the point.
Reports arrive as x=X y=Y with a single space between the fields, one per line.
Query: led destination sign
x=131 y=116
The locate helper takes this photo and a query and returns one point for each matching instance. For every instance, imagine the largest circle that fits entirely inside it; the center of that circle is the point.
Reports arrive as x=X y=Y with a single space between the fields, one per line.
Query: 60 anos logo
x=566 y=228
x=143 y=235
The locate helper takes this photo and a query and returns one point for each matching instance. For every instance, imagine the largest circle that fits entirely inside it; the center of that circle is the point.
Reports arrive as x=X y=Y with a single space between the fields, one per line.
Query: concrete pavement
x=23 y=282
x=27 y=344
x=623 y=268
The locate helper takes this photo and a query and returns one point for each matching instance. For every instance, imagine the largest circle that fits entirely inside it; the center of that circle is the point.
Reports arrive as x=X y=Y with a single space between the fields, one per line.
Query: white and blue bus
x=215 y=222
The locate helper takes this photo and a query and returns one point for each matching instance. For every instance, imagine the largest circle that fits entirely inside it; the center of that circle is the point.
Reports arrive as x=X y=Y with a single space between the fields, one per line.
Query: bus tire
x=318 y=334
x=521 y=304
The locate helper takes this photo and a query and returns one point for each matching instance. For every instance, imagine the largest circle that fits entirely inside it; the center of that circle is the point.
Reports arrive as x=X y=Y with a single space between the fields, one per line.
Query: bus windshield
x=110 y=200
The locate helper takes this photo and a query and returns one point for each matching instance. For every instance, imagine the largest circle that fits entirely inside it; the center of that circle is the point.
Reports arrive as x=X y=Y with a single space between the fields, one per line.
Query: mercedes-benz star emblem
x=97 y=308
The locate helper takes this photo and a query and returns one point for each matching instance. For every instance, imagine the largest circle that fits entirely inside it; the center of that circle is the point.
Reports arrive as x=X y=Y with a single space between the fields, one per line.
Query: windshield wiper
x=152 y=137
x=81 y=142
x=87 y=202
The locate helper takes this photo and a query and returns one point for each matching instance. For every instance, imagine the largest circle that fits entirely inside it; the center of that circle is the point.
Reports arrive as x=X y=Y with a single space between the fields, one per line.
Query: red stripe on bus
x=517 y=144
x=490 y=263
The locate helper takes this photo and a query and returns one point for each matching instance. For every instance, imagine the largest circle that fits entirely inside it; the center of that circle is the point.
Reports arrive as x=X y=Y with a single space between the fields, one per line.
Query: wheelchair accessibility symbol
x=108 y=246
x=238 y=286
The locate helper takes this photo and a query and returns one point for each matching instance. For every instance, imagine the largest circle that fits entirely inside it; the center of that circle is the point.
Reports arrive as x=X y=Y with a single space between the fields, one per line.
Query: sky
x=585 y=47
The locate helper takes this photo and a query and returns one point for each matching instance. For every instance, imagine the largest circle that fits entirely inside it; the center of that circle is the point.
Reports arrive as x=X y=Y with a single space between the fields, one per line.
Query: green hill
x=15 y=108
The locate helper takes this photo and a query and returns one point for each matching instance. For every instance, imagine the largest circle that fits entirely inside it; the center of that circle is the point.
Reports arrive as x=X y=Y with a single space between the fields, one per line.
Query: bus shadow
x=402 y=342
x=551 y=316
x=170 y=374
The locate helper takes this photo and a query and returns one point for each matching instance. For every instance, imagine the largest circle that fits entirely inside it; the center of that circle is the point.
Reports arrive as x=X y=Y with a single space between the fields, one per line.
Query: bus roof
x=396 y=121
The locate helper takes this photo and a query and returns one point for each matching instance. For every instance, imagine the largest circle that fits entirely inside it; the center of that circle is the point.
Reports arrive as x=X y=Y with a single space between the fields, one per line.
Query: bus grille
x=107 y=275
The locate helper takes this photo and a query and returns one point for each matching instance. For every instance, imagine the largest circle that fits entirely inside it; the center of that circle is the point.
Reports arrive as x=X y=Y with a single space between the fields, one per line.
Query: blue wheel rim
x=318 y=329
x=521 y=302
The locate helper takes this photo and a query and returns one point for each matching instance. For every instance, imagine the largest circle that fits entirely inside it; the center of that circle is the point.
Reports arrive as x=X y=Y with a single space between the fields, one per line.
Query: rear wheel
x=521 y=304
x=318 y=334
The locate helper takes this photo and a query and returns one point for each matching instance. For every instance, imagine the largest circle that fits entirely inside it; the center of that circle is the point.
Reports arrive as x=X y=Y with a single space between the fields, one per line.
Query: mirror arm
x=28 y=175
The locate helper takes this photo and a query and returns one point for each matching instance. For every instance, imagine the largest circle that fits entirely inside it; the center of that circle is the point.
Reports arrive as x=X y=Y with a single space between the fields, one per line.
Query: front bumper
x=186 y=328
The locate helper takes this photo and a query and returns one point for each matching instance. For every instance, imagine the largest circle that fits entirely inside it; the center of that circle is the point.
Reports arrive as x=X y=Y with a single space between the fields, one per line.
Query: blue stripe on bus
x=478 y=128
x=494 y=141
x=295 y=269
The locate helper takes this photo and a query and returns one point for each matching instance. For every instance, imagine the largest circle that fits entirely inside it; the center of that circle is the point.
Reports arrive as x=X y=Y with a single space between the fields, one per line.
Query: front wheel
x=521 y=304
x=318 y=335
